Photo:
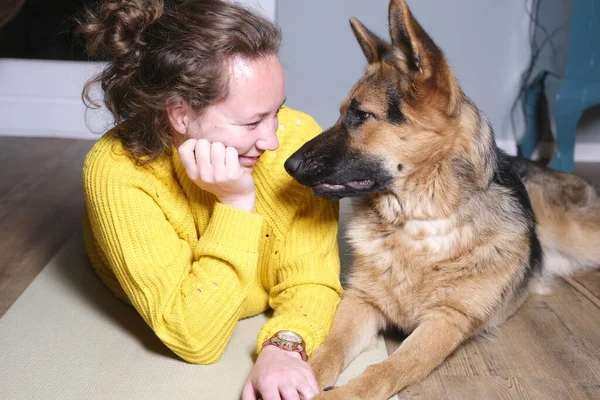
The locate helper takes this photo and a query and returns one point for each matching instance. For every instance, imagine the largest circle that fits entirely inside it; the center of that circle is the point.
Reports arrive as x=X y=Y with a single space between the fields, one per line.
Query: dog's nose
x=293 y=164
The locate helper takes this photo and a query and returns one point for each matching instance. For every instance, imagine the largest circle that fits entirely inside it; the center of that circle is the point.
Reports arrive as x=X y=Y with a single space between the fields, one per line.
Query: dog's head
x=397 y=121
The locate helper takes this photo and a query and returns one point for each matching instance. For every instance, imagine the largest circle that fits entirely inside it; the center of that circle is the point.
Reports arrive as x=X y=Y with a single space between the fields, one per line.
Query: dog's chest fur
x=409 y=268
x=404 y=262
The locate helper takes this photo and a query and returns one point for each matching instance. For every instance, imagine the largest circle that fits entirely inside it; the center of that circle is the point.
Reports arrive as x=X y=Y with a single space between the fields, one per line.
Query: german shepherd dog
x=449 y=234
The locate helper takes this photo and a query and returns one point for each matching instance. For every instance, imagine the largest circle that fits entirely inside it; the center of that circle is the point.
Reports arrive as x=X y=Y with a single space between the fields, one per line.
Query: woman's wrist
x=270 y=349
x=245 y=203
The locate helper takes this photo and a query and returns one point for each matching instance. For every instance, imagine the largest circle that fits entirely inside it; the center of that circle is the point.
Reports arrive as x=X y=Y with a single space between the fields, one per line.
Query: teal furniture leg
x=532 y=98
x=567 y=111
x=572 y=99
x=568 y=97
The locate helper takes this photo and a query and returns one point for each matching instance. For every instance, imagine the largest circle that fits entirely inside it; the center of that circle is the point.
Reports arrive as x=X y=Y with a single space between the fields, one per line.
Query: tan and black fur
x=449 y=234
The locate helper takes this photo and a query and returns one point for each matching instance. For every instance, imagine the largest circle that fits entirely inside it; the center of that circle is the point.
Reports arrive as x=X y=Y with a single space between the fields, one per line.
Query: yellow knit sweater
x=192 y=267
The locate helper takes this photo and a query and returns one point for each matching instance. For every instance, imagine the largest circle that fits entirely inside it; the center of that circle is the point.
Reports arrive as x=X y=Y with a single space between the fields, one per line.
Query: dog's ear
x=418 y=55
x=414 y=45
x=373 y=47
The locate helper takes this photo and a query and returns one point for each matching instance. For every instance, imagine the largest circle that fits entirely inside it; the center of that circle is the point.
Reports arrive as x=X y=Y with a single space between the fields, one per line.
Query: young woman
x=191 y=217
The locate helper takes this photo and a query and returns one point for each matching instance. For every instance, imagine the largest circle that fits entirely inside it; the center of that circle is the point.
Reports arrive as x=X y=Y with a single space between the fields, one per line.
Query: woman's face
x=248 y=118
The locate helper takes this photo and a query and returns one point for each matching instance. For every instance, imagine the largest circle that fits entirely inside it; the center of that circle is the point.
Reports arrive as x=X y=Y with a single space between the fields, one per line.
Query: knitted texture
x=192 y=267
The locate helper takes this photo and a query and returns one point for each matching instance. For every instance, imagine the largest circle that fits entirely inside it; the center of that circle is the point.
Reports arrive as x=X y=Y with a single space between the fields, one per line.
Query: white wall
x=484 y=40
x=268 y=7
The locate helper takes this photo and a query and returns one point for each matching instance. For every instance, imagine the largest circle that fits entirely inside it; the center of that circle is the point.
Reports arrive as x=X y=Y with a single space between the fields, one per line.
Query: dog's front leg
x=435 y=338
x=355 y=326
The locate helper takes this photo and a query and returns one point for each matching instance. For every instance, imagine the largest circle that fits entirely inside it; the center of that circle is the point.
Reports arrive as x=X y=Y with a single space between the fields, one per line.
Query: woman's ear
x=178 y=115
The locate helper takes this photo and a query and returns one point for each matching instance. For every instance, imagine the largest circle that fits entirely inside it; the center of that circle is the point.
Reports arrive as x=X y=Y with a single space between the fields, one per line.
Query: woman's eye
x=253 y=125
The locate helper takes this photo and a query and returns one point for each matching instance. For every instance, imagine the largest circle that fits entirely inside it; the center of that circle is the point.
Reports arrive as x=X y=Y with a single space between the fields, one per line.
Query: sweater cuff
x=233 y=228
x=311 y=334
x=312 y=320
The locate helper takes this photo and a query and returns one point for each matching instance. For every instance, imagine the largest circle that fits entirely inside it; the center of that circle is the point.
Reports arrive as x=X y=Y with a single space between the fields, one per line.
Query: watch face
x=290 y=336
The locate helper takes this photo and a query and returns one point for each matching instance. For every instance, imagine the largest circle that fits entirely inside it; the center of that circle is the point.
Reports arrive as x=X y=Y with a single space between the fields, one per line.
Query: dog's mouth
x=364 y=184
x=346 y=189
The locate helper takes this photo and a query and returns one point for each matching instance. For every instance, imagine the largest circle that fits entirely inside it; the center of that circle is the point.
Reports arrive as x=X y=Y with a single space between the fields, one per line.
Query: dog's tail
x=567 y=210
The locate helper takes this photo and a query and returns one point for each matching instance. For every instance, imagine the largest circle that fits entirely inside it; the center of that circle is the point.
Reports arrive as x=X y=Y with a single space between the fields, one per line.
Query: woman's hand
x=280 y=375
x=216 y=169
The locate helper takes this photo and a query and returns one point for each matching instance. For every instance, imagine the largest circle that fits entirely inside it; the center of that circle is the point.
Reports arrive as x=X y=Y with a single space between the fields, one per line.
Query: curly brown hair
x=158 y=54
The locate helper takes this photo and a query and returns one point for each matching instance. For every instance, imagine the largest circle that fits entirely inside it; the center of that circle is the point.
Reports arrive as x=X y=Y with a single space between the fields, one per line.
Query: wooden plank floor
x=41 y=205
x=549 y=350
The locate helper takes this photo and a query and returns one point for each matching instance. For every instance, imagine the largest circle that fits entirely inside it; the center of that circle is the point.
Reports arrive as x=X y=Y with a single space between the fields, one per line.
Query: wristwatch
x=288 y=340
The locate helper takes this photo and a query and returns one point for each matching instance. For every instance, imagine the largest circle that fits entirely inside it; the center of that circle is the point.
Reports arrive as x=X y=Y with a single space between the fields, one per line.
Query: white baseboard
x=584 y=152
x=42 y=98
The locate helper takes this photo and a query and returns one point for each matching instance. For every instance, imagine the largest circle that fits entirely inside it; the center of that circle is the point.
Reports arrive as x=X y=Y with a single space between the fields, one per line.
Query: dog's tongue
x=330 y=186
x=364 y=184
x=358 y=185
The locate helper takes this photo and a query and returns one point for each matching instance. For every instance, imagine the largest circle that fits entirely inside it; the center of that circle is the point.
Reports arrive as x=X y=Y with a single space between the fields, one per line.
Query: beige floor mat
x=67 y=337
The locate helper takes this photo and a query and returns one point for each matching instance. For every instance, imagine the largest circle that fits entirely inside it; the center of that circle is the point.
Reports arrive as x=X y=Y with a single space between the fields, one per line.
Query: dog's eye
x=355 y=117
x=363 y=115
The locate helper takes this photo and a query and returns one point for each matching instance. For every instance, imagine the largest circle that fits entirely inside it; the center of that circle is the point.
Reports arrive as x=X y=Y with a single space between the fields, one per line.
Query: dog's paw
x=336 y=393
x=325 y=375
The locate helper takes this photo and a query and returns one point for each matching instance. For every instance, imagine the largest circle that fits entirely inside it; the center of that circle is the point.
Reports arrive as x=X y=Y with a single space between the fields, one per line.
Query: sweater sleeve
x=190 y=296
x=308 y=289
